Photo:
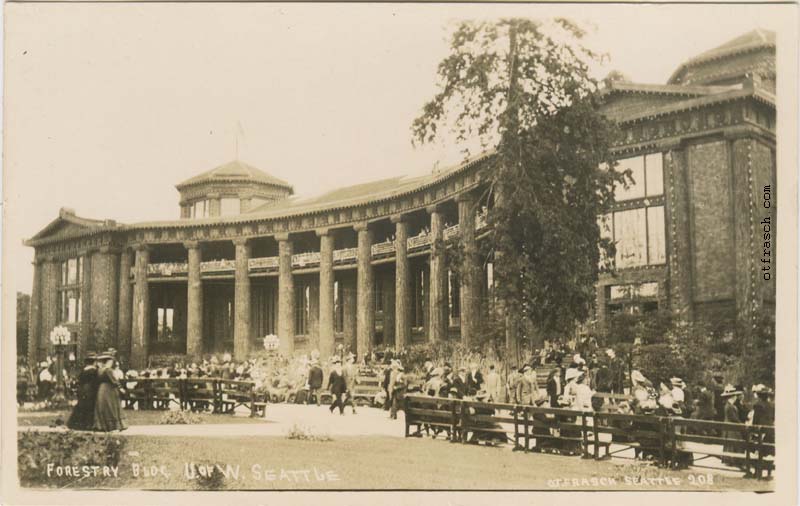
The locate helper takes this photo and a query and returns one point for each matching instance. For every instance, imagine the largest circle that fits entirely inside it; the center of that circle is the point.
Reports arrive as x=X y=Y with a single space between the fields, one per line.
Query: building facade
x=367 y=265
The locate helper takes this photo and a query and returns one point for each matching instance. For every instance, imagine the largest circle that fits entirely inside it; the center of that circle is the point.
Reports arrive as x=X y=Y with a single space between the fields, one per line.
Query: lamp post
x=60 y=337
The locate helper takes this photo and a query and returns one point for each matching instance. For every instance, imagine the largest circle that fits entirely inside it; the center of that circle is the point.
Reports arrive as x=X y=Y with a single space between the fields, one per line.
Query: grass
x=45 y=418
x=372 y=463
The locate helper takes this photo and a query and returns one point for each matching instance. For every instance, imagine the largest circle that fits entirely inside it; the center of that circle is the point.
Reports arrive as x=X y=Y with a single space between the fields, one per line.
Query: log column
x=285 y=295
x=402 y=283
x=194 y=301
x=438 y=278
x=241 y=302
x=141 y=309
x=469 y=276
x=365 y=291
x=125 y=305
x=326 y=338
x=35 y=314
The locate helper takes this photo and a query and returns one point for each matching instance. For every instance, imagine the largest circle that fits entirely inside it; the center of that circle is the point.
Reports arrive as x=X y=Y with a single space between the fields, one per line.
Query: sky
x=109 y=105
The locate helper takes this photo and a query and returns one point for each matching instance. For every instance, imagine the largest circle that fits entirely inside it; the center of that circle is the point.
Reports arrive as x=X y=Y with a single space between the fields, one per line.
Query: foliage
x=306 y=433
x=180 y=417
x=208 y=476
x=522 y=87
x=37 y=449
x=650 y=328
x=693 y=350
x=23 y=312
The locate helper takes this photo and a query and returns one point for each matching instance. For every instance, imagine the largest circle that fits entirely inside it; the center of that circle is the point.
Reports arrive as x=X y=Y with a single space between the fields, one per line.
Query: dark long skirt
x=107 y=412
x=82 y=417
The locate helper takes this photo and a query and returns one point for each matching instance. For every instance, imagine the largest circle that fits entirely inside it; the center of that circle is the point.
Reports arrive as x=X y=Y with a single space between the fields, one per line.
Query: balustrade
x=382 y=248
x=305 y=259
x=345 y=255
x=218 y=266
x=263 y=263
x=167 y=269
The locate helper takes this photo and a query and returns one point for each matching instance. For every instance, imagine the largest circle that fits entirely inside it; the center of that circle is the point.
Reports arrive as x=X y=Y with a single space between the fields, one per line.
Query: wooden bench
x=437 y=413
x=230 y=394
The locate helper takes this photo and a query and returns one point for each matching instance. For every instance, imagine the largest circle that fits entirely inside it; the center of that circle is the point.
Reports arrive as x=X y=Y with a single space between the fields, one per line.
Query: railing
x=305 y=259
x=450 y=232
x=345 y=255
x=167 y=269
x=382 y=248
x=671 y=441
x=262 y=263
x=218 y=266
x=419 y=241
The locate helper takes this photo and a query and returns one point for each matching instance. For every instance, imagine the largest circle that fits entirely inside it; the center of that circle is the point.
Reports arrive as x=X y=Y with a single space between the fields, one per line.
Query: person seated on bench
x=489 y=437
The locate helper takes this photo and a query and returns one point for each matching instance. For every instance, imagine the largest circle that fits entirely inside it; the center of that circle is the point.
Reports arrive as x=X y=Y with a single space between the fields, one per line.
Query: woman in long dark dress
x=82 y=417
x=107 y=411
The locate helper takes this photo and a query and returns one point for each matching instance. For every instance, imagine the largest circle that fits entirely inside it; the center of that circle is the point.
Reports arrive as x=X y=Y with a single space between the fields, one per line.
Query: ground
x=365 y=451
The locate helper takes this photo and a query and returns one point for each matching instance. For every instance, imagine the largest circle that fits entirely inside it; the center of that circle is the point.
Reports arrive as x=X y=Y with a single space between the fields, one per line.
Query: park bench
x=366 y=388
x=540 y=428
x=163 y=392
x=230 y=394
x=754 y=451
x=428 y=414
x=199 y=394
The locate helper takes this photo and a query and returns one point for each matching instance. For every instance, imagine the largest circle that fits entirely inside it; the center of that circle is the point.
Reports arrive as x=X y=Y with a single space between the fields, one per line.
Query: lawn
x=132 y=417
x=378 y=462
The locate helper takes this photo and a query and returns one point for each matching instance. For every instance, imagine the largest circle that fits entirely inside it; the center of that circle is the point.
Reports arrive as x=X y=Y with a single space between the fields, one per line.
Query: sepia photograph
x=345 y=248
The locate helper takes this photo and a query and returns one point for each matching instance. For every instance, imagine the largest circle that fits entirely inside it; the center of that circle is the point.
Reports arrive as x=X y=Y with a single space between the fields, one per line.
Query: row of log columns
x=358 y=300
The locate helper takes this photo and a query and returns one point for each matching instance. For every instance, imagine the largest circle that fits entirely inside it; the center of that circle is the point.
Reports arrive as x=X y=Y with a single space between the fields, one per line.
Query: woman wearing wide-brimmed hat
x=82 y=417
x=107 y=411
x=732 y=415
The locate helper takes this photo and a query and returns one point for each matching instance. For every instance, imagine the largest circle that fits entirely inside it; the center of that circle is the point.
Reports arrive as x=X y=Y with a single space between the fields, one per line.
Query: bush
x=306 y=433
x=35 y=450
x=208 y=476
x=179 y=418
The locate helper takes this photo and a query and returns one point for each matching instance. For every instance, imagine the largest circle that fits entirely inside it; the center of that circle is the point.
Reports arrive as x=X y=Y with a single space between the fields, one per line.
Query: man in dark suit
x=387 y=377
x=474 y=380
x=338 y=386
x=314 y=382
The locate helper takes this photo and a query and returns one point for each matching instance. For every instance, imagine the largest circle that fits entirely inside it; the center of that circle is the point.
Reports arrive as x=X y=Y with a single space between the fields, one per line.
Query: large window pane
x=229 y=207
x=655 y=174
x=636 y=189
x=72 y=271
x=630 y=235
x=655 y=228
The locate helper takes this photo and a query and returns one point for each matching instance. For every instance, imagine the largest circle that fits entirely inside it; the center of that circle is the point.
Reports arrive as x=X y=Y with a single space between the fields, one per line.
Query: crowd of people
x=598 y=382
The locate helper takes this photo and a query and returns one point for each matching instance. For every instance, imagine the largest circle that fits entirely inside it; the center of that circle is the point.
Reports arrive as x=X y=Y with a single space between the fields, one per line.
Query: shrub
x=35 y=450
x=179 y=418
x=208 y=476
x=306 y=433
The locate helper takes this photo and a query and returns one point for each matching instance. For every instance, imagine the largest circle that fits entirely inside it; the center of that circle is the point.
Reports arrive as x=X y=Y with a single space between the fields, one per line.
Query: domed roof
x=709 y=66
x=235 y=171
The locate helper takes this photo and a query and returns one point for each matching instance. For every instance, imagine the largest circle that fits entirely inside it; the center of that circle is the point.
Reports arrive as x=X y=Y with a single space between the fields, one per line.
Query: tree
x=23 y=313
x=522 y=88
